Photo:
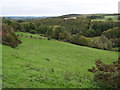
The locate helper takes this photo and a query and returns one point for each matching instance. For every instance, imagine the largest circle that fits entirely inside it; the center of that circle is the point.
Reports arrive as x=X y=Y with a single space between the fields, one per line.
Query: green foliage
x=110 y=19
x=56 y=32
x=49 y=32
x=42 y=29
x=73 y=26
x=102 y=42
x=49 y=38
x=118 y=17
x=10 y=40
x=90 y=33
x=16 y=26
x=69 y=30
x=60 y=33
x=82 y=40
x=100 y=26
x=8 y=36
x=33 y=26
x=107 y=75
x=74 y=38
x=95 y=16
x=25 y=27
x=32 y=31
x=6 y=21
x=112 y=33
x=116 y=42
x=66 y=36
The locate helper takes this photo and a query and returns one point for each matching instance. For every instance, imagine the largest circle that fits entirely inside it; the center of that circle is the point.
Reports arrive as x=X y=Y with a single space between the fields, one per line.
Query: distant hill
x=86 y=15
x=71 y=15
x=23 y=17
x=62 y=16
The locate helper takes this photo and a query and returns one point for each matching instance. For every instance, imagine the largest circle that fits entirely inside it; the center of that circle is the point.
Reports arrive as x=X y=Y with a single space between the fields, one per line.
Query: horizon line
x=54 y=15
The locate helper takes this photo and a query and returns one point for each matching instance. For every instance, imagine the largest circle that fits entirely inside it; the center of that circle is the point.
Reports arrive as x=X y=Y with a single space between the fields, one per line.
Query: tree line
x=80 y=31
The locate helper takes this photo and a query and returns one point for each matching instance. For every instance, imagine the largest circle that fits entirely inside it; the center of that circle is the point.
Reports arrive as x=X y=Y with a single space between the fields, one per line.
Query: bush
x=9 y=38
x=84 y=41
x=81 y=40
x=90 y=33
x=102 y=42
x=107 y=75
x=74 y=39
x=49 y=38
x=112 y=33
x=42 y=29
x=32 y=31
x=11 y=41
x=109 y=19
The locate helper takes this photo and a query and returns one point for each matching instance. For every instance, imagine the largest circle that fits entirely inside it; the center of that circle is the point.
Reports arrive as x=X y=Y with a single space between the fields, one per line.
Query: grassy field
x=114 y=18
x=33 y=35
x=50 y=64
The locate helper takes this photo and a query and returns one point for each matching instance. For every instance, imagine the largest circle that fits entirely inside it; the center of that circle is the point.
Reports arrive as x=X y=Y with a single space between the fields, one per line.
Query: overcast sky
x=56 y=7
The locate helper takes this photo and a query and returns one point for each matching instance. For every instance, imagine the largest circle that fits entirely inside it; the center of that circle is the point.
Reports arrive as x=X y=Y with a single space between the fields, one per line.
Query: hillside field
x=114 y=18
x=38 y=63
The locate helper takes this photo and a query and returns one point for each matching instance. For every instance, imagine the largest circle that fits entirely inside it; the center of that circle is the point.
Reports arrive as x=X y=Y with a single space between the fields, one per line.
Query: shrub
x=9 y=38
x=49 y=38
x=90 y=33
x=74 y=39
x=42 y=29
x=41 y=35
x=32 y=31
x=102 y=42
x=81 y=40
x=112 y=33
x=84 y=41
x=110 y=19
x=107 y=75
x=31 y=36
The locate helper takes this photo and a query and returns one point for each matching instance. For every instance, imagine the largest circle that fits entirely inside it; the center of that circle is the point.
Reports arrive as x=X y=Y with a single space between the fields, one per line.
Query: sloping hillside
x=38 y=63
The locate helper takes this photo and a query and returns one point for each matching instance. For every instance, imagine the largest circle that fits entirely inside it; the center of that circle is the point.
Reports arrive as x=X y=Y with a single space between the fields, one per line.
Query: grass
x=114 y=18
x=33 y=35
x=50 y=64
